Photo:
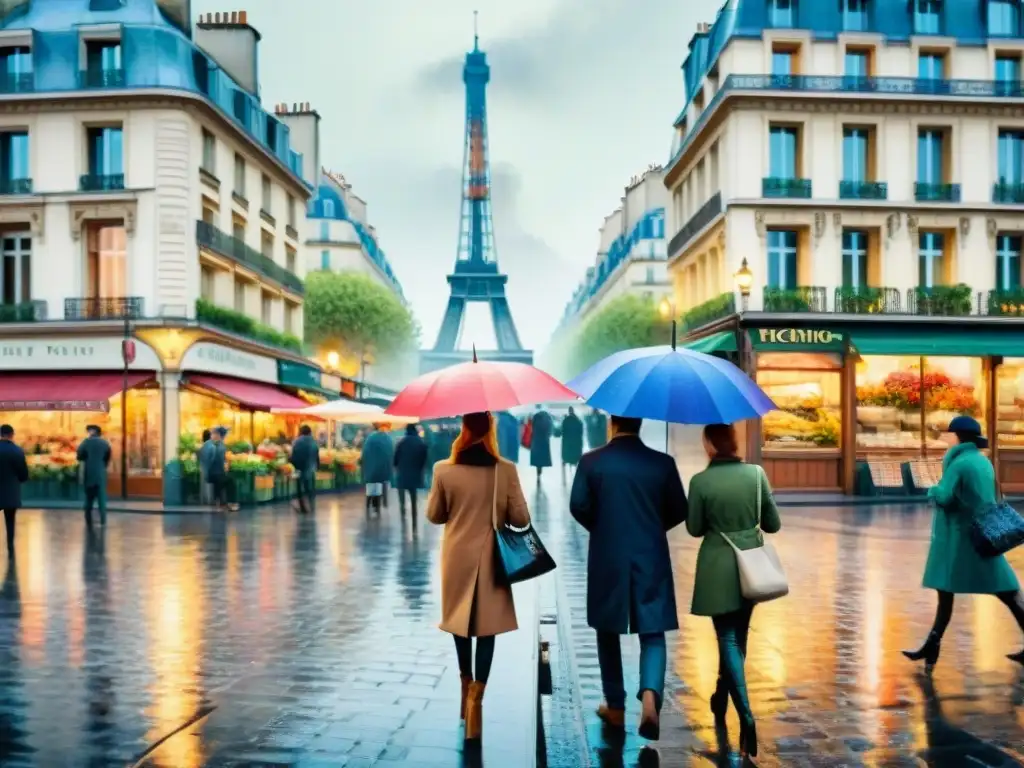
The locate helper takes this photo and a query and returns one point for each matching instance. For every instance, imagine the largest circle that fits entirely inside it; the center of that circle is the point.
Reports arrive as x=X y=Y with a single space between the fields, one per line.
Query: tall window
x=14 y=156
x=1008 y=262
x=931 y=66
x=1011 y=157
x=16 y=277
x=855 y=154
x=1003 y=18
x=103 y=55
x=238 y=230
x=1008 y=69
x=782 y=258
x=106 y=151
x=239 y=175
x=266 y=304
x=931 y=248
x=783 y=145
x=782 y=62
x=291 y=211
x=267 y=245
x=855 y=15
x=325 y=260
x=107 y=265
x=206 y=282
x=855 y=259
x=857 y=64
x=782 y=13
x=290 y=259
x=329 y=209
x=930 y=150
x=927 y=17
x=209 y=152
x=239 y=295
x=15 y=61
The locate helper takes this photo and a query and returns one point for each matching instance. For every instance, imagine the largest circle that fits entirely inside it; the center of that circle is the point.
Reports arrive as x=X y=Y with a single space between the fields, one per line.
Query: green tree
x=352 y=311
x=627 y=322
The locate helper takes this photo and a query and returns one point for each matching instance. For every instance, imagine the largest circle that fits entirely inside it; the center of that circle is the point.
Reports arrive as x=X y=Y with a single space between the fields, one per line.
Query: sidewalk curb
x=563 y=616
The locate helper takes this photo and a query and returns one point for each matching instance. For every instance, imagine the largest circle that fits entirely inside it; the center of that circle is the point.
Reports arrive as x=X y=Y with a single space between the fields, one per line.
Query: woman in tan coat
x=472 y=489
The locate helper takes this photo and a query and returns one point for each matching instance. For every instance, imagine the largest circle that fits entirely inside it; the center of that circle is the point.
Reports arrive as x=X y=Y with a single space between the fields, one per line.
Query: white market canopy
x=352 y=412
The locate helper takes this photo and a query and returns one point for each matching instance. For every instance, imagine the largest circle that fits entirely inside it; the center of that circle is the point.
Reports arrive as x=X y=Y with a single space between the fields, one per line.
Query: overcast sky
x=582 y=96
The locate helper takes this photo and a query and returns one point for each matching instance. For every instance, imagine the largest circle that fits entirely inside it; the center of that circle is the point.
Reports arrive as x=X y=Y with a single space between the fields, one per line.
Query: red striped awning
x=250 y=394
x=62 y=391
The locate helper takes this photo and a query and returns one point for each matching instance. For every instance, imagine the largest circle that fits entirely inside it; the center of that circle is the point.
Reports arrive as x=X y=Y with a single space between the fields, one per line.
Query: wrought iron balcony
x=1007 y=193
x=15 y=186
x=711 y=310
x=24 y=312
x=23 y=82
x=936 y=193
x=697 y=222
x=786 y=188
x=104 y=308
x=941 y=300
x=1005 y=303
x=863 y=300
x=232 y=248
x=100 y=182
x=863 y=190
x=102 y=78
x=811 y=298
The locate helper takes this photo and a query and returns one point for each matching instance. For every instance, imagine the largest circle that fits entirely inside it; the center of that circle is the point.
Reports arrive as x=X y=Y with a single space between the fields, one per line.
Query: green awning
x=723 y=341
x=949 y=341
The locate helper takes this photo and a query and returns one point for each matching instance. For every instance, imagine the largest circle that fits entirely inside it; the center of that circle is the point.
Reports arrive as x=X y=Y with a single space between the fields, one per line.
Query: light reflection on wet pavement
x=314 y=643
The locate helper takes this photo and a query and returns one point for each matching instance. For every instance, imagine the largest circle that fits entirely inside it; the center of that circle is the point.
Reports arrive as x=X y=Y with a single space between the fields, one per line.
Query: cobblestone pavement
x=828 y=683
x=261 y=639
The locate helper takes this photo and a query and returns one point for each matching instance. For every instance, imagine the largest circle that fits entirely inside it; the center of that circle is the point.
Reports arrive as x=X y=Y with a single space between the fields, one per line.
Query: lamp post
x=744 y=280
x=127 y=357
x=333 y=359
x=667 y=308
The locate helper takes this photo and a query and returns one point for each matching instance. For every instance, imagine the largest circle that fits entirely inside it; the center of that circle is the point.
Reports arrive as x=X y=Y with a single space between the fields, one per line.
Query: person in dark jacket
x=572 y=440
x=543 y=426
x=628 y=496
x=377 y=462
x=213 y=461
x=94 y=458
x=509 y=436
x=306 y=460
x=410 y=462
x=13 y=472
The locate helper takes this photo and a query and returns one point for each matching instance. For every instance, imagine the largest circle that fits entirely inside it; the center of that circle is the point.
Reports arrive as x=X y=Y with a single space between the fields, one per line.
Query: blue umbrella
x=676 y=385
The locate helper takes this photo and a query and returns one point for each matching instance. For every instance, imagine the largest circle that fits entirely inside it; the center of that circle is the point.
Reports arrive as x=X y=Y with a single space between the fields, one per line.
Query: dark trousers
x=9 y=524
x=219 y=487
x=944 y=610
x=653 y=661
x=95 y=494
x=732 y=630
x=306 y=492
x=412 y=500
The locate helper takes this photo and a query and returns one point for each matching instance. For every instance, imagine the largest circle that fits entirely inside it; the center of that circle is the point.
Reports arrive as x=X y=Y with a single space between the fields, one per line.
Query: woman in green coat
x=954 y=567
x=724 y=499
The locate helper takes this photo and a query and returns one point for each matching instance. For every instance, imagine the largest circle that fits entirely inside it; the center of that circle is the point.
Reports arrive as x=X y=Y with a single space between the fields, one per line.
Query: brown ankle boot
x=475 y=711
x=465 y=693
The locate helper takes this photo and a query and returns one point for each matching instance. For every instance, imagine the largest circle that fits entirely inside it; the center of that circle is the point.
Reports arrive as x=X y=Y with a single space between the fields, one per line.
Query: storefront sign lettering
x=207 y=357
x=330 y=382
x=73 y=354
x=805 y=336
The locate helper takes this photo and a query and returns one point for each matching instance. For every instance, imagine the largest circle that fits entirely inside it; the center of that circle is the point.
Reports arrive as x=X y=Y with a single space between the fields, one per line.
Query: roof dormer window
x=855 y=15
x=1004 y=18
x=927 y=17
x=782 y=13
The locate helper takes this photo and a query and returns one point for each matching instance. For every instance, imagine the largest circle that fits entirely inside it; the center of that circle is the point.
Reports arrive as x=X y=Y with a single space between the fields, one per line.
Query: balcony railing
x=867 y=301
x=941 y=300
x=786 y=188
x=1007 y=193
x=101 y=78
x=706 y=313
x=230 y=247
x=15 y=186
x=23 y=82
x=104 y=308
x=697 y=222
x=101 y=182
x=936 y=193
x=810 y=298
x=863 y=190
x=24 y=312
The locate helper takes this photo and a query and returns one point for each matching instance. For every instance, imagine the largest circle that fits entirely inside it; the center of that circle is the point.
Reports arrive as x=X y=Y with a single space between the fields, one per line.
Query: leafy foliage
x=351 y=311
x=235 y=322
x=625 y=323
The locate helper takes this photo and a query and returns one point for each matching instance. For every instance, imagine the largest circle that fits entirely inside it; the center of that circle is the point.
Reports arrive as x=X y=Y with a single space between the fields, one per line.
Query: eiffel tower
x=476 y=277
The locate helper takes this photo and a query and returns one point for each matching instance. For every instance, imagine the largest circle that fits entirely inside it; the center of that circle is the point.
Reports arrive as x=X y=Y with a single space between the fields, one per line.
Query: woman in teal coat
x=954 y=567
x=723 y=499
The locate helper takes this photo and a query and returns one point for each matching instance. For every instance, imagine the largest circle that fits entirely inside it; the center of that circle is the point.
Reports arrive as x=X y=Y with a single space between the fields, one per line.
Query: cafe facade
x=864 y=401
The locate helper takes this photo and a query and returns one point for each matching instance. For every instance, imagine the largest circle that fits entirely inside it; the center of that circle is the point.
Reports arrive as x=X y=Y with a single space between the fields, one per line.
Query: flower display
x=903 y=390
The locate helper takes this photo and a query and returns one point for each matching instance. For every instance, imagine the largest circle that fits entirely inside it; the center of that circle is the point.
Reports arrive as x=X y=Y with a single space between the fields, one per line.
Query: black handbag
x=997 y=529
x=519 y=553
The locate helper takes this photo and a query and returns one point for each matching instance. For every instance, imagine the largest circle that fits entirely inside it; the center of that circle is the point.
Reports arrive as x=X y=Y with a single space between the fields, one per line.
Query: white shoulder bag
x=761 y=575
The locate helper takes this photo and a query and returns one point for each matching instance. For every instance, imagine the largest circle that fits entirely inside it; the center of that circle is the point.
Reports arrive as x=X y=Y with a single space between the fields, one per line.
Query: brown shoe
x=650 y=721
x=616 y=718
x=465 y=693
x=475 y=711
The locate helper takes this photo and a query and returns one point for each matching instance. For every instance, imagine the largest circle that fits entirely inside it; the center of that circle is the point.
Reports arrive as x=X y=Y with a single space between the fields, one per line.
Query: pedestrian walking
x=473 y=491
x=628 y=496
x=214 y=462
x=410 y=463
x=13 y=472
x=205 y=491
x=541 y=428
x=734 y=499
x=954 y=566
x=377 y=460
x=572 y=440
x=508 y=436
x=597 y=429
x=93 y=462
x=305 y=457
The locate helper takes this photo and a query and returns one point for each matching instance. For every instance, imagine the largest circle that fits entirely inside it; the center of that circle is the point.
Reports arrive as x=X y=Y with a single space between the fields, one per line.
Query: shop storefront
x=863 y=406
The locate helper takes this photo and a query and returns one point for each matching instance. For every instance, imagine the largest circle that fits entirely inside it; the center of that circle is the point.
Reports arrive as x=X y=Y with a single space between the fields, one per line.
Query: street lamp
x=667 y=309
x=744 y=280
x=333 y=359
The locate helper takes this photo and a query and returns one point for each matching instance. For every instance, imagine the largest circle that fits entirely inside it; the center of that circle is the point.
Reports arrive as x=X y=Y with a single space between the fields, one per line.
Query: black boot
x=929 y=652
x=1018 y=657
x=720 y=703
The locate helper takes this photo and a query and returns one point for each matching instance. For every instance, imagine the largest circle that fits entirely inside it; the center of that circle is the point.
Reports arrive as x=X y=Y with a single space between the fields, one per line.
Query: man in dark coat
x=540 y=440
x=410 y=462
x=306 y=460
x=628 y=496
x=377 y=461
x=572 y=440
x=94 y=458
x=508 y=436
x=13 y=472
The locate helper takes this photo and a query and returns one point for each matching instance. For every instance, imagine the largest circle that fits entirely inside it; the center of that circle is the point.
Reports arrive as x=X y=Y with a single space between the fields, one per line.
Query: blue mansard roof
x=327 y=204
x=50 y=15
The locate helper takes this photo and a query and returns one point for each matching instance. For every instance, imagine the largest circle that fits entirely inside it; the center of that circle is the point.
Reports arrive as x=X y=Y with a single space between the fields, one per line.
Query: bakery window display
x=808 y=415
x=1010 y=403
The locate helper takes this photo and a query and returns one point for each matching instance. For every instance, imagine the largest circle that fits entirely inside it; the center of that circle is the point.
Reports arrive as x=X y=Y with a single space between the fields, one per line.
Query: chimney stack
x=228 y=38
x=304 y=130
